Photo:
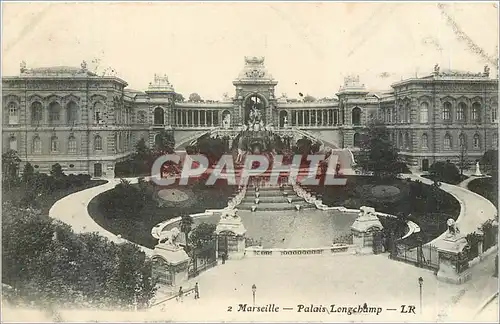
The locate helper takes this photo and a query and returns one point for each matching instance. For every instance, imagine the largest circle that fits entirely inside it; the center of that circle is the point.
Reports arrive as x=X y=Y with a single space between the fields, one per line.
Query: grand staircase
x=272 y=198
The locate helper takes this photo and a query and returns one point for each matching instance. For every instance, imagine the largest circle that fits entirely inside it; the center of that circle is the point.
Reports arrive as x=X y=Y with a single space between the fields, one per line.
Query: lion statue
x=452 y=227
x=170 y=237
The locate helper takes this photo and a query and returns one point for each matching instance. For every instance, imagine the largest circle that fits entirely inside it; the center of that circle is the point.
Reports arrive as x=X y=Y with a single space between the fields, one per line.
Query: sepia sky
x=309 y=47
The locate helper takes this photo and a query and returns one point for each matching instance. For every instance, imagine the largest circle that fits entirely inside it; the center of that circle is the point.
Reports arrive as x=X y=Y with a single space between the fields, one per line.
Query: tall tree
x=489 y=162
x=10 y=166
x=56 y=171
x=178 y=97
x=194 y=97
x=463 y=159
x=309 y=98
x=165 y=143
x=377 y=153
x=186 y=226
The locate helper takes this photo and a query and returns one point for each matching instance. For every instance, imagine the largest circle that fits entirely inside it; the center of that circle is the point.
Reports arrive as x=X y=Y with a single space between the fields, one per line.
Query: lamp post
x=254 y=288
x=420 y=283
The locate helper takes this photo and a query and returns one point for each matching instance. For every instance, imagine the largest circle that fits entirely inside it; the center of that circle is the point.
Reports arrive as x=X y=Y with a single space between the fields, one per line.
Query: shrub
x=445 y=172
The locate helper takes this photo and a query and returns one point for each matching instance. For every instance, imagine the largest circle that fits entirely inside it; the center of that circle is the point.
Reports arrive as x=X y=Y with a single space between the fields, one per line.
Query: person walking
x=196 y=291
x=180 y=294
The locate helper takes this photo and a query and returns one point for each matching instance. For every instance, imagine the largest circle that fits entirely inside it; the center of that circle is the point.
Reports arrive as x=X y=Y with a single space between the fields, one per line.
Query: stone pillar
x=231 y=226
x=363 y=230
x=176 y=259
x=453 y=265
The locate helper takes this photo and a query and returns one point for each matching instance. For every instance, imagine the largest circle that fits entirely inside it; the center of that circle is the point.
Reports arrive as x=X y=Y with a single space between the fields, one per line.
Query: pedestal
x=176 y=261
x=363 y=230
x=231 y=233
x=453 y=263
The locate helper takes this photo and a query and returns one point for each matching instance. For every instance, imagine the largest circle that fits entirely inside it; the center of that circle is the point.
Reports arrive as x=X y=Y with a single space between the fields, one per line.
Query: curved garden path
x=73 y=210
x=474 y=208
x=372 y=286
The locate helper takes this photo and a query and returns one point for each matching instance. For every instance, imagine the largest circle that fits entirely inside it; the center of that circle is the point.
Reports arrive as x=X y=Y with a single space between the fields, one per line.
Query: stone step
x=272 y=199
x=275 y=206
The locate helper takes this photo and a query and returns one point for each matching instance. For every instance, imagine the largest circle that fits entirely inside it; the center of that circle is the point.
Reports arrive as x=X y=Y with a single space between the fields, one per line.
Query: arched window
x=71 y=144
x=13 y=113
x=54 y=113
x=36 y=112
x=98 y=143
x=389 y=115
x=98 y=113
x=447 y=142
x=494 y=113
x=494 y=141
x=37 y=145
x=158 y=140
x=476 y=112
x=400 y=140
x=476 y=141
x=407 y=141
x=407 y=113
x=424 y=112
x=462 y=142
x=425 y=141
x=72 y=113
x=141 y=117
x=462 y=112
x=356 y=116
x=159 y=116
x=54 y=144
x=13 y=143
x=447 y=111
x=357 y=140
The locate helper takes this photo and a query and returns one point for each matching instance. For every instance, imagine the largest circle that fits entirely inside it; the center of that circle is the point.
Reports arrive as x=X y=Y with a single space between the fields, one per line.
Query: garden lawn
x=486 y=187
x=137 y=227
x=429 y=207
x=46 y=200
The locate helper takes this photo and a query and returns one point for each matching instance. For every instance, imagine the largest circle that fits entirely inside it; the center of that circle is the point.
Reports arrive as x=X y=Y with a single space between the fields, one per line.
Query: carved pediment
x=34 y=98
x=71 y=97
x=53 y=98
x=11 y=98
x=448 y=99
x=477 y=99
x=424 y=98
x=463 y=99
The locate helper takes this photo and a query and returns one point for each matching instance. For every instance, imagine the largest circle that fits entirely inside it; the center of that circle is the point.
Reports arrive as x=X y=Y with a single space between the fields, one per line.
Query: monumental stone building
x=88 y=123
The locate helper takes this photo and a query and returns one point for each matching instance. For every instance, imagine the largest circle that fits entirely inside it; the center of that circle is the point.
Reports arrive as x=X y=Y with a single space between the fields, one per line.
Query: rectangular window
x=72 y=146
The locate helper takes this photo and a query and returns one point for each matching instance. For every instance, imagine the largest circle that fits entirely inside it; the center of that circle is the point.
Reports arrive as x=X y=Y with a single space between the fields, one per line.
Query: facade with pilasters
x=87 y=122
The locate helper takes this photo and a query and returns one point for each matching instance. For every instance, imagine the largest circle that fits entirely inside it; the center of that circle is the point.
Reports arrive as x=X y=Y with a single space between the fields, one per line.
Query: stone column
x=176 y=259
x=230 y=224
x=453 y=263
x=363 y=230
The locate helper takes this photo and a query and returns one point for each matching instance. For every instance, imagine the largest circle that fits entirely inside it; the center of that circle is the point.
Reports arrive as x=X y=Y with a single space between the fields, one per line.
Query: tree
x=142 y=150
x=178 y=97
x=377 y=153
x=10 y=166
x=489 y=162
x=56 y=171
x=445 y=172
x=45 y=261
x=309 y=98
x=186 y=225
x=164 y=143
x=202 y=234
x=463 y=161
x=194 y=97
x=28 y=172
